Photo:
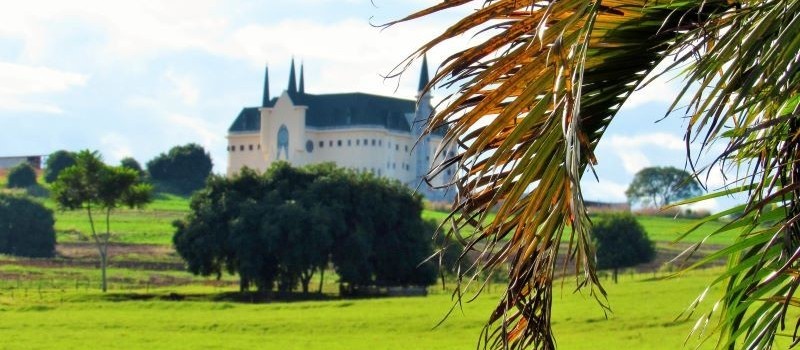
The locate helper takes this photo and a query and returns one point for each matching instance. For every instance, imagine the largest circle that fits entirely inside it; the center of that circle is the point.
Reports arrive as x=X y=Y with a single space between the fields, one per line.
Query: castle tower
x=422 y=156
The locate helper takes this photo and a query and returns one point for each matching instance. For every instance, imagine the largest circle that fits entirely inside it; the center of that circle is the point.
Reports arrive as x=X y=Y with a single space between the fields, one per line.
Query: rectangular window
x=330 y=143
x=241 y=147
x=358 y=142
x=396 y=147
x=339 y=143
x=380 y=142
x=251 y=147
x=321 y=144
x=406 y=148
x=349 y=142
x=373 y=142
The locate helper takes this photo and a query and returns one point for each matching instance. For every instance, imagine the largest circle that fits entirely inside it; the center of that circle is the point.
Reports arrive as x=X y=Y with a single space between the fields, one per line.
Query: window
x=321 y=144
x=339 y=143
x=251 y=147
x=330 y=143
x=358 y=142
x=406 y=148
x=283 y=142
x=373 y=142
x=232 y=149
x=259 y=146
x=380 y=142
x=309 y=146
x=241 y=147
x=396 y=147
x=366 y=143
x=348 y=142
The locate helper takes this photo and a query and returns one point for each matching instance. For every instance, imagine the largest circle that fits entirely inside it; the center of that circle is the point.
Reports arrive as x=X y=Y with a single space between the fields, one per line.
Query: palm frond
x=533 y=99
x=744 y=89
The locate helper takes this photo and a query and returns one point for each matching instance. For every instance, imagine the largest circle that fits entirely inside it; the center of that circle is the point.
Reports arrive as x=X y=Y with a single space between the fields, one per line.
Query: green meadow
x=153 y=303
x=645 y=316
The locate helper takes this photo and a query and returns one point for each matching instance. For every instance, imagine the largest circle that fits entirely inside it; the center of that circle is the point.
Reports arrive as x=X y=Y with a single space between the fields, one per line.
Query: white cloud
x=604 y=190
x=115 y=147
x=185 y=88
x=631 y=149
x=19 y=85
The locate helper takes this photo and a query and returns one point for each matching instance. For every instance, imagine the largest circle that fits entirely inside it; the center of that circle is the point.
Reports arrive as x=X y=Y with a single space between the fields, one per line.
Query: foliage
x=538 y=86
x=21 y=176
x=131 y=163
x=621 y=242
x=26 y=227
x=661 y=186
x=56 y=162
x=183 y=169
x=96 y=187
x=284 y=226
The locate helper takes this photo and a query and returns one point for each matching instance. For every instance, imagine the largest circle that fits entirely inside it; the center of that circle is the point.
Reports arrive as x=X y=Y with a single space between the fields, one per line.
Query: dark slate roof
x=340 y=111
x=356 y=109
x=249 y=119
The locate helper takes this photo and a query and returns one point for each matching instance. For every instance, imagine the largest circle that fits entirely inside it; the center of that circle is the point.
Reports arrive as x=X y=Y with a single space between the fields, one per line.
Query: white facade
x=363 y=132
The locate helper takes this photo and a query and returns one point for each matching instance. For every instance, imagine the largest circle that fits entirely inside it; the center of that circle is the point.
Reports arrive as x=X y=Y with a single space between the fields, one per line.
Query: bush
x=26 y=227
x=56 y=162
x=621 y=242
x=21 y=176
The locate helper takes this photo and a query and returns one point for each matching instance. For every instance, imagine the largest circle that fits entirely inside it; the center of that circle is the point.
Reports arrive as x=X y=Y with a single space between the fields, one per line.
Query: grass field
x=644 y=313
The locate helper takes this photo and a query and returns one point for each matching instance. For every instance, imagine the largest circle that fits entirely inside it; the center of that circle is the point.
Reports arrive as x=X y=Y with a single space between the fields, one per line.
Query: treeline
x=181 y=170
x=280 y=228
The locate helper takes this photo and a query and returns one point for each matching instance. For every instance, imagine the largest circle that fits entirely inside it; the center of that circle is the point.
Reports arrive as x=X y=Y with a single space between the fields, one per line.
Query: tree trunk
x=321 y=279
x=103 y=263
x=614 y=275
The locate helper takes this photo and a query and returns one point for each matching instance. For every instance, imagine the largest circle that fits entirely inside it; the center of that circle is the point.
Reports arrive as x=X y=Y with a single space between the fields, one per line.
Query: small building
x=364 y=132
x=10 y=162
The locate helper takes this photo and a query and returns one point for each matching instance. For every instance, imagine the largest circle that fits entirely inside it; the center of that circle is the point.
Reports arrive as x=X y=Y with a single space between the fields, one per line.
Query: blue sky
x=134 y=78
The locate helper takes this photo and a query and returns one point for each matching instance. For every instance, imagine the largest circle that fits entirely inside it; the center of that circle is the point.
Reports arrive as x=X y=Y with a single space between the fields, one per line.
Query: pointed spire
x=292 y=80
x=265 y=98
x=302 y=80
x=423 y=76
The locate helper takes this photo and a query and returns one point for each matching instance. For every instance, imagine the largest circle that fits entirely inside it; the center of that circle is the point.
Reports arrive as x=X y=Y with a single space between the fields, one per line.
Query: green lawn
x=643 y=318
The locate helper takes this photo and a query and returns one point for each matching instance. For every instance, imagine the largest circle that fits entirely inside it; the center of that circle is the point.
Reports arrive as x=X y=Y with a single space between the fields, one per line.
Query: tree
x=26 y=227
x=661 y=186
x=131 y=163
x=540 y=83
x=21 y=176
x=99 y=189
x=183 y=169
x=621 y=242
x=288 y=225
x=56 y=162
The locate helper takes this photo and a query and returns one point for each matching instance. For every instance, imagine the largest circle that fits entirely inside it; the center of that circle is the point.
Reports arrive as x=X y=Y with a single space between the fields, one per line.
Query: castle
x=364 y=132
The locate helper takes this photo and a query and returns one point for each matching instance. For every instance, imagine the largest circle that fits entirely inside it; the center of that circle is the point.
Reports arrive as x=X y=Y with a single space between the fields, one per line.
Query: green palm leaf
x=533 y=100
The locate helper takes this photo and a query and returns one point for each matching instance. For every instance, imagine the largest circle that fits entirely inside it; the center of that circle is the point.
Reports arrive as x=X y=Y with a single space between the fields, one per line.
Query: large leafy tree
x=537 y=88
x=21 y=176
x=56 y=162
x=99 y=189
x=661 y=186
x=184 y=169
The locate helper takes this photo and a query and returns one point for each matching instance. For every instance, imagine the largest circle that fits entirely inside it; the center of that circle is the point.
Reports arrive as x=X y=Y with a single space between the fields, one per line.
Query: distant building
x=360 y=131
x=605 y=207
x=10 y=162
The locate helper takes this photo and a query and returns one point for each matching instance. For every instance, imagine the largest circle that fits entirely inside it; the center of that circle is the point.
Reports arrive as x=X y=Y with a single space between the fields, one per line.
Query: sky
x=134 y=78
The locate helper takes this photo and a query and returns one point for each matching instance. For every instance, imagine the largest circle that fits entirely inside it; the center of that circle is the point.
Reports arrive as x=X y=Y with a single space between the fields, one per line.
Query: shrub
x=21 y=176
x=621 y=242
x=26 y=227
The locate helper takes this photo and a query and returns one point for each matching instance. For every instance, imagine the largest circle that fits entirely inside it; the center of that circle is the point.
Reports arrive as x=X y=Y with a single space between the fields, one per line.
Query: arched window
x=309 y=146
x=283 y=142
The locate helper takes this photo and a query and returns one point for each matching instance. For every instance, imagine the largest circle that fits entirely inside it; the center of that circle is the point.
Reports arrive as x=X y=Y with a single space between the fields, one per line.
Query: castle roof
x=333 y=111
x=338 y=111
